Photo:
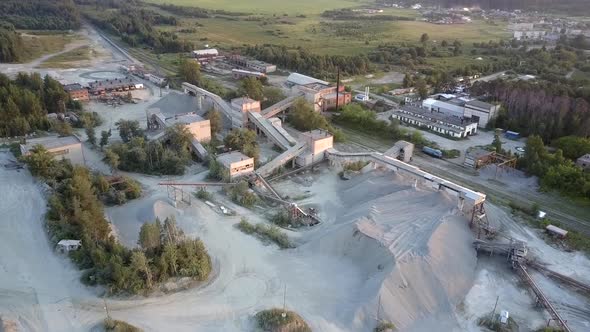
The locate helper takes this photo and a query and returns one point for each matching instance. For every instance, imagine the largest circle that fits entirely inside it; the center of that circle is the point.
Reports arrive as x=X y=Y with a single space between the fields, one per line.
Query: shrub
x=266 y=233
x=384 y=326
x=273 y=320
x=112 y=325
x=203 y=194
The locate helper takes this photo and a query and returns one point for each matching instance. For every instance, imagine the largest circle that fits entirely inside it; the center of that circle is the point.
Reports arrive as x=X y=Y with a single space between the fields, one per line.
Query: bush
x=384 y=326
x=355 y=166
x=265 y=233
x=450 y=154
x=272 y=320
x=112 y=325
x=241 y=194
x=203 y=194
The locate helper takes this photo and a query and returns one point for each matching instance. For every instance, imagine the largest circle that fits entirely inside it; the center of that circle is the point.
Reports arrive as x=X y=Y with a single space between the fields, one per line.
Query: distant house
x=65 y=246
x=584 y=161
x=69 y=147
x=77 y=92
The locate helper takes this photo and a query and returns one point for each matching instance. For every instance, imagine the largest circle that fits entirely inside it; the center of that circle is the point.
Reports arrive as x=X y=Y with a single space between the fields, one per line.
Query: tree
x=497 y=143
x=62 y=128
x=424 y=38
x=140 y=266
x=252 y=88
x=190 y=71
x=237 y=138
x=534 y=155
x=444 y=43
x=40 y=162
x=91 y=135
x=128 y=129
x=214 y=118
x=272 y=95
x=149 y=235
x=112 y=159
x=104 y=138
x=408 y=81
x=422 y=88
x=179 y=138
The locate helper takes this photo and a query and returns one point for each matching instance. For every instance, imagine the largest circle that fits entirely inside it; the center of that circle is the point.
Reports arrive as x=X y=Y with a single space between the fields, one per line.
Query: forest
x=135 y=26
x=303 y=61
x=76 y=212
x=548 y=109
x=26 y=101
x=11 y=44
x=40 y=14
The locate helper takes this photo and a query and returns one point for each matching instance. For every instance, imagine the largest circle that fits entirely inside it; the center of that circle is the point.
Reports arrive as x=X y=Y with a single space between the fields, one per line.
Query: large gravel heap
x=416 y=250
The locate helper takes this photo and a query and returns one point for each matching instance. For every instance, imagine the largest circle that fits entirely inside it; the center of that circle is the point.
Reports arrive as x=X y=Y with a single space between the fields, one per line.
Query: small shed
x=554 y=230
x=65 y=246
x=504 y=315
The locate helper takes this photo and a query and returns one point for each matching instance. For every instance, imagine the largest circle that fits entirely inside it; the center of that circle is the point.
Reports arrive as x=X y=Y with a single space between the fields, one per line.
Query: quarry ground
x=338 y=276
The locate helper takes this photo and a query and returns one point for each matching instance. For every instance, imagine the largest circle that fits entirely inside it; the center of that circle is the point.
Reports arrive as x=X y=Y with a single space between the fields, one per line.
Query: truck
x=432 y=152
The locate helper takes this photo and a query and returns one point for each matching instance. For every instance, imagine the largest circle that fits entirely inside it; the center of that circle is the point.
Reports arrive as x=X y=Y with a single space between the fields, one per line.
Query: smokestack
x=337 y=88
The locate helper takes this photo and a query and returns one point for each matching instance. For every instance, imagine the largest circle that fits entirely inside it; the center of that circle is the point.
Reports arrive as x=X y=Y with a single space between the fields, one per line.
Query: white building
x=69 y=147
x=157 y=80
x=529 y=34
x=481 y=112
x=65 y=246
x=444 y=124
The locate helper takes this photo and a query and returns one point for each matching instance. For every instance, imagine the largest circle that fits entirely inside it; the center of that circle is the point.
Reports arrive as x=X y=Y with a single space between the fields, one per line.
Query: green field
x=68 y=59
x=327 y=36
x=39 y=44
x=293 y=7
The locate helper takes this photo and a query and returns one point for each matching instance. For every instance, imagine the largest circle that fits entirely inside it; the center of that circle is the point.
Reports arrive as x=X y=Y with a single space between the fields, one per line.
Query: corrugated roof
x=301 y=79
x=49 y=143
x=479 y=104
x=209 y=51
x=175 y=103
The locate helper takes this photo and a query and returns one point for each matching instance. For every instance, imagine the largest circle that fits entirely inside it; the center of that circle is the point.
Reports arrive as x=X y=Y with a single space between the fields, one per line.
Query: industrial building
x=401 y=150
x=237 y=163
x=319 y=93
x=157 y=80
x=238 y=74
x=65 y=246
x=438 y=122
x=463 y=107
x=114 y=85
x=77 y=92
x=69 y=147
x=205 y=56
x=244 y=105
x=584 y=161
x=317 y=142
x=251 y=64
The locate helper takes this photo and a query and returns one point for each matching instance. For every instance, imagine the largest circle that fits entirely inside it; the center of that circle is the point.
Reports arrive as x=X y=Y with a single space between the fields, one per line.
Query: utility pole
x=337 y=88
x=284 y=314
x=494 y=311
x=106 y=308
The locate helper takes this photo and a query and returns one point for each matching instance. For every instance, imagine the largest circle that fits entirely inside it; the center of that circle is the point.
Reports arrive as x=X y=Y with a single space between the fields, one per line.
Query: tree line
x=26 y=101
x=349 y=14
x=548 y=109
x=40 y=14
x=76 y=212
x=196 y=12
x=11 y=44
x=303 y=61
x=135 y=25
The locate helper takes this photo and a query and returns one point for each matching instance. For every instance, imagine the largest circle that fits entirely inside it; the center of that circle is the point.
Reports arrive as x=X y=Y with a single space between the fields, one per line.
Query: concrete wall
x=201 y=130
x=72 y=152
x=241 y=168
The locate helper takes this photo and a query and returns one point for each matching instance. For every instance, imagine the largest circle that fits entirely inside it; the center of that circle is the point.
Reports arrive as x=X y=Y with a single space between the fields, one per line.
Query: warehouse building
x=205 y=56
x=114 y=85
x=465 y=107
x=441 y=123
x=69 y=147
x=238 y=74
x=251 y=64
x=481 y=112
x=77 y=92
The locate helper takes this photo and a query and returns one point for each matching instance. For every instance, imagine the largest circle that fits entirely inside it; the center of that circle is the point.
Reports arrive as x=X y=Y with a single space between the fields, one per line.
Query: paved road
x=557 y=208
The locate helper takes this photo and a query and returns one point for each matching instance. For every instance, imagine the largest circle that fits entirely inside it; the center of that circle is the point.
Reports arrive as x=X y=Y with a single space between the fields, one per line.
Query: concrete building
x=238 y=74
x=245 y=105
x=480 y=112
x=77 y=92
x=157 y=80
x=401 y=150
x=529 y=34
x=237 y=163
x=114 y=85
x=437 y=122
x=251 y=64
x=200 y=128
x=317 y=142
x=319 y=93
x=584 y=162
x=205 y=56
x=65 y=246
x=477 y=157
x=452 y=106
x=69 y=147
